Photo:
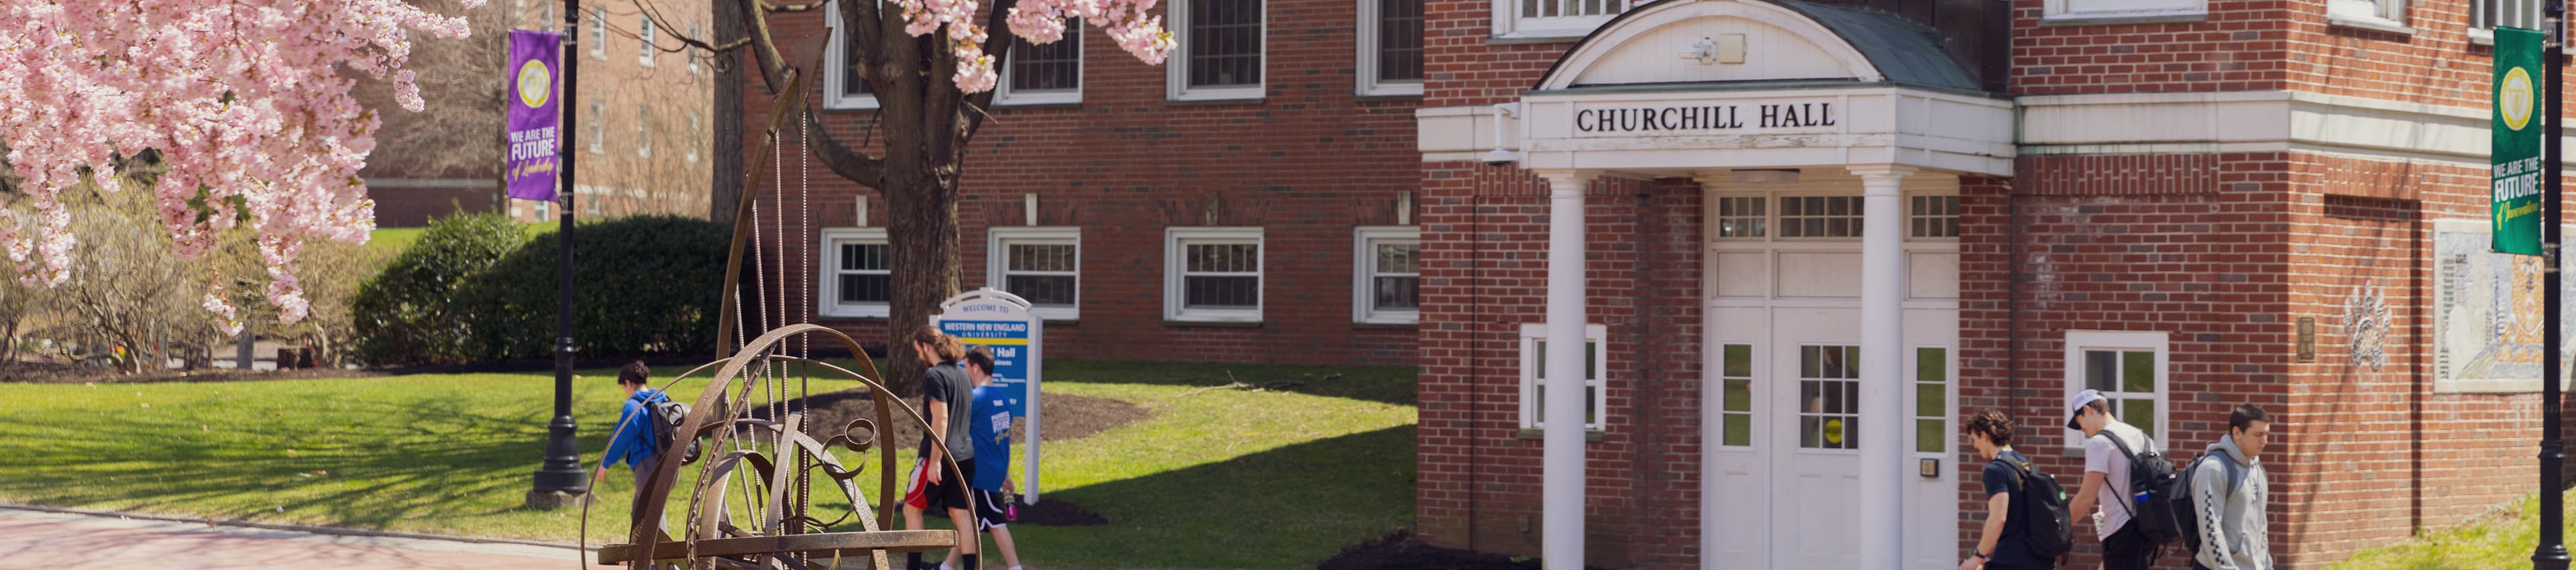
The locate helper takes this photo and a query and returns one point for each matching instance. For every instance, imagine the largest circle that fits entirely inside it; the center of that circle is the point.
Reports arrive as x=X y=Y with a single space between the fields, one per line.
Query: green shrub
x=642 y=285
x=413 y=311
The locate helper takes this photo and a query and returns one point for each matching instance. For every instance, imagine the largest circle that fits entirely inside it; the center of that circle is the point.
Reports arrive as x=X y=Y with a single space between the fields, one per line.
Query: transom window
x=1212 y=274
x=1554 y=18
x=1742 y=216
x=1040 y=264
x=857 y=280
x=1820 y=216
x=1388 y=275
x=1044 y=74
x=1934 y=216
x=1829 y=397
x=1221 y=49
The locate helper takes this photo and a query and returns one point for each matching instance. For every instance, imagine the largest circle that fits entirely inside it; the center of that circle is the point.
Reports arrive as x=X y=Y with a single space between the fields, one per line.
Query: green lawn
x=1215 y=479
x=2499 y=541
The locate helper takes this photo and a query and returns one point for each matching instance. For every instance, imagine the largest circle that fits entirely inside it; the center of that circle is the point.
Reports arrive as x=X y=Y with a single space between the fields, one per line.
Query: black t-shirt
x=948 y=385
x=2000 y=478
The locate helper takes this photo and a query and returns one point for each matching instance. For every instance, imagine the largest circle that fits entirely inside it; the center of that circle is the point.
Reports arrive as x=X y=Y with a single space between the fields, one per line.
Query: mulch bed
x=1399 y=551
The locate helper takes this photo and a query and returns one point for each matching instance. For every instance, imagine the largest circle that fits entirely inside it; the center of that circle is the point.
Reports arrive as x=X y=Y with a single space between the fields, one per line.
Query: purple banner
x=535 y=59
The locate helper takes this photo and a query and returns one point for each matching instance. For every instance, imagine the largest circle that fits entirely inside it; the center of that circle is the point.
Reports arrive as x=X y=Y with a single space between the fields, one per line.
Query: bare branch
x=849 y=163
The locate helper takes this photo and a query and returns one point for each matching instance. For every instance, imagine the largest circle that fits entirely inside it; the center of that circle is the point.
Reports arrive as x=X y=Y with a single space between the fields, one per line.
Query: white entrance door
x=1814 y=407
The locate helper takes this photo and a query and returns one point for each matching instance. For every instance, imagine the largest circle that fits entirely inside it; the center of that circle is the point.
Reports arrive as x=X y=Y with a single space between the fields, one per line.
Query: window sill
x=1535 y=434
x=1537 y=37
x=1214 y=324
x=1210 y=100
x=2138 y=18
x=2374 y=24
x=853 y=314
x=1059 y=98
x=1369 y=326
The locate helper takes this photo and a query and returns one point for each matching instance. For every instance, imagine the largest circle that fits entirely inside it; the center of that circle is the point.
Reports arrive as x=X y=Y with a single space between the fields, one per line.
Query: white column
x=1882 y=355
x=1561 y=457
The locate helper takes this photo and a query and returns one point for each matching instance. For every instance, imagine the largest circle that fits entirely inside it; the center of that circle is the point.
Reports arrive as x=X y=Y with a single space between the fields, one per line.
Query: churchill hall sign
x=1728 y=118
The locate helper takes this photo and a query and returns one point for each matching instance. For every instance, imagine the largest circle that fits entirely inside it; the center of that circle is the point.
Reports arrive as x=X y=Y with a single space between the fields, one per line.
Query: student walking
x=633 y=441
x=2107 y=493
x=946 y=403
x=991 y=428
x=2014 y=492
x=2228 y=495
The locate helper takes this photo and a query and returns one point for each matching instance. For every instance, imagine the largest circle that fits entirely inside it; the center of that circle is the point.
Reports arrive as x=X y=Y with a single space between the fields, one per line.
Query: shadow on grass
x=363 y=464
x=1289 y=507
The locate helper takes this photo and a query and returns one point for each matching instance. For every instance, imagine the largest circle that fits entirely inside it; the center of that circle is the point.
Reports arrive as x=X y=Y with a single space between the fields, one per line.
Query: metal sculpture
x=760 y=466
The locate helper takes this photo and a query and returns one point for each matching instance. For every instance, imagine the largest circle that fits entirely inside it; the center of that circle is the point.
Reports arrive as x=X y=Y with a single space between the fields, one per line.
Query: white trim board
x=2253 y=121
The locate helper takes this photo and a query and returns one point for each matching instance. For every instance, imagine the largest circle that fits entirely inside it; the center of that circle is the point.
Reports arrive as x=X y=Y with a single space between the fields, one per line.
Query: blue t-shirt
x=991 y=430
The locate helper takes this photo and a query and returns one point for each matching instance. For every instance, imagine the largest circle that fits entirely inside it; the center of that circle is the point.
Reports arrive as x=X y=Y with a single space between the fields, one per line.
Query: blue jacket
x=632 y=441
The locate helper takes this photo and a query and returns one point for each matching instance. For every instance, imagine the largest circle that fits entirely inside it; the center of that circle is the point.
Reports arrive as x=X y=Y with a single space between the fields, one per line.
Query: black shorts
x=2126 y=549
x=948 y=493
x=991 y=511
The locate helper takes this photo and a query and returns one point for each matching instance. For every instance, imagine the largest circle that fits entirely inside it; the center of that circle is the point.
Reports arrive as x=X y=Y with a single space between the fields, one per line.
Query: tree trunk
x=921 y=231
x=728 y=128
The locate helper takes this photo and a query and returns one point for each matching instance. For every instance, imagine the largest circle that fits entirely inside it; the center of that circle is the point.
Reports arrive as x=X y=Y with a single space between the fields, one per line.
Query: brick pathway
x=33 y=540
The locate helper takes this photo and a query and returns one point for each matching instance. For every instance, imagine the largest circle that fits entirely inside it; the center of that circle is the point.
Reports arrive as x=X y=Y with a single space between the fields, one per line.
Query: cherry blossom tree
x=930 y=65
x=243 y=101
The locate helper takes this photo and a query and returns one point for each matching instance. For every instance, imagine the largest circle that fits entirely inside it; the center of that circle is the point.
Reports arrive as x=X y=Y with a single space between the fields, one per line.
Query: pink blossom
x=1129 y=22
x=244 y=100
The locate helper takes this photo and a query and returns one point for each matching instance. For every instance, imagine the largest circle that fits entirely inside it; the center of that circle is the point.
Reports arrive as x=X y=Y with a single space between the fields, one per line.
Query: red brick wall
x=1308 y=163
x=1486 y=230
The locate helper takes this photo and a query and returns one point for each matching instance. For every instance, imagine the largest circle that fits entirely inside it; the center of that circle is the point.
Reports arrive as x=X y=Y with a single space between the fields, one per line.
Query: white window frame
x=836 y=58
x=1010 y=95
x=1508 y=25
x=598 y=126
x=997 y=262
x=1364 y=273
x=599 y=32
x=644 y=39
x=1175 y=244
x=2381 y=15
x=1177 y=67
x=2080 y=341
x=544 y=209
x=2483 y=33
x=829 y=302
x=697 y=136
x=1368 y=83
x=695 y=31
x=1594 y=334
x=2066 y=10
x=643 y=133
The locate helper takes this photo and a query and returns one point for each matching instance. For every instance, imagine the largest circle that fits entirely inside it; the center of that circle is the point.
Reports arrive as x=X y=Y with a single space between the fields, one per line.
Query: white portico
x=1825 y=139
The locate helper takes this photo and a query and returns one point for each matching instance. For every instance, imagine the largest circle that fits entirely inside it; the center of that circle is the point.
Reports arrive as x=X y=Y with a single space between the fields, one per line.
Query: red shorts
x=948 y=493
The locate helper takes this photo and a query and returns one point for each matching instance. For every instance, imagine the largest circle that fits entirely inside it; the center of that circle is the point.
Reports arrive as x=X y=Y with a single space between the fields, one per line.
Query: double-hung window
x=1212 y=274
x=857 y=279
x=2486 y=15
x=644 y=40
x=1387 y=278
x=1221 y=50
x=1390 y=47
x=598 y=32
x=1044 y=74
x=843 y=85
x=643 y=132
x=598 y=126
x=1042 y=265
x=1534 y=376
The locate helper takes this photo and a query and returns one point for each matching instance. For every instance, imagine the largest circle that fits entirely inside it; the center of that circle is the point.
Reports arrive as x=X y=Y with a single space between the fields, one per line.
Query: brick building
x=447 y=158
x=1815 y=237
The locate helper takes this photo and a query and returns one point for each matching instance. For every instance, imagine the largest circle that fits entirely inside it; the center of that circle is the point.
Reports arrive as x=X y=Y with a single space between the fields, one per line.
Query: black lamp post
x=562 y=477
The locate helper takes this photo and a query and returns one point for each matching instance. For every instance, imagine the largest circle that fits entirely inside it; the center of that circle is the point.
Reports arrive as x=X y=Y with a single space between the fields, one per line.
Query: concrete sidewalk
x=35 y=540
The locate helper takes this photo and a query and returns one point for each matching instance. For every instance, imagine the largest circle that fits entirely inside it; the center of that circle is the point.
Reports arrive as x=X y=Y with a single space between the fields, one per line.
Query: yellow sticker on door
x=1834 y=432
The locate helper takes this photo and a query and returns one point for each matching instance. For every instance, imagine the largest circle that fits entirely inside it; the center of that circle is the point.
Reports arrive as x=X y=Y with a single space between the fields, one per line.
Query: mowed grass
x=1223 y=478
x=2496 y=541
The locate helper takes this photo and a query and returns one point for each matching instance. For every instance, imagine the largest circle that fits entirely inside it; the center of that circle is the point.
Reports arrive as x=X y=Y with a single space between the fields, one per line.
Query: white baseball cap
x=2076 y=404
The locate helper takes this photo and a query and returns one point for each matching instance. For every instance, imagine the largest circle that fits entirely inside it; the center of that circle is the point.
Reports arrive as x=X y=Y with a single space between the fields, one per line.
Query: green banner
x=2515 y=190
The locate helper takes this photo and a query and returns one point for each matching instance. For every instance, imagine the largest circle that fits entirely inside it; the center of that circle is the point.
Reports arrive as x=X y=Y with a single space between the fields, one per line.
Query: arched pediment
x=1756 y=41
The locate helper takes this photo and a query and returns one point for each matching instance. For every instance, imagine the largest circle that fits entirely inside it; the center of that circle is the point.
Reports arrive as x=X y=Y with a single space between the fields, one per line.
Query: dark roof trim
x=1903 y=51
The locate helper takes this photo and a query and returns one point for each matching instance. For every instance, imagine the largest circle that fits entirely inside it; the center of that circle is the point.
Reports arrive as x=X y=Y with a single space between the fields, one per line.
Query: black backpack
x=2151 y=475
x=2040 y=503
x=2187 y=505
x=665 y=419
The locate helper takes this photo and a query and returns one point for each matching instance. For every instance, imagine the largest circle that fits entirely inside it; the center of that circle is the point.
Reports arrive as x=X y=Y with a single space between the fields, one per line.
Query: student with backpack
x=2127 y=485
x=991 y=481
x=2025 y=516
x=2228 y=495
x=634 y=441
